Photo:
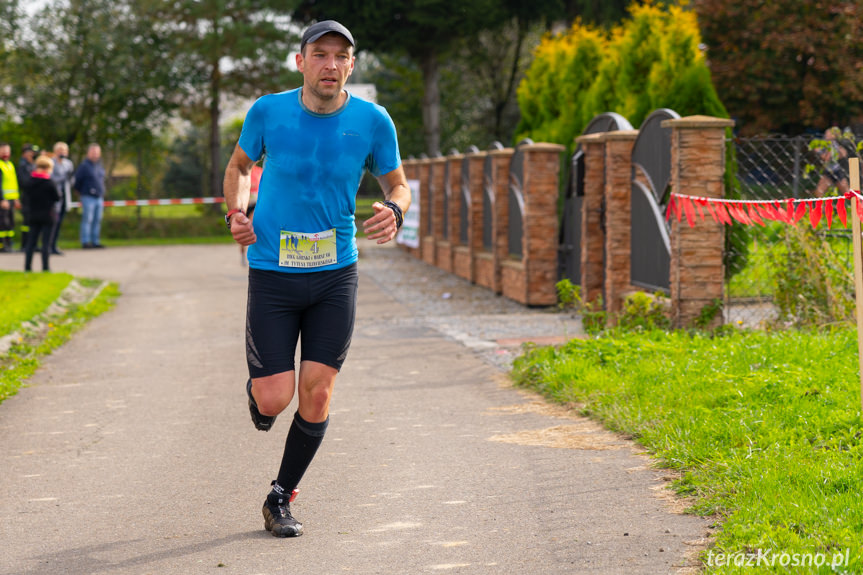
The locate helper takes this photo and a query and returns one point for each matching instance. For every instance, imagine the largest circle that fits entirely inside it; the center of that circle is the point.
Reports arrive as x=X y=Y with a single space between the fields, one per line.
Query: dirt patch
x=539 y=407
x=578 y=436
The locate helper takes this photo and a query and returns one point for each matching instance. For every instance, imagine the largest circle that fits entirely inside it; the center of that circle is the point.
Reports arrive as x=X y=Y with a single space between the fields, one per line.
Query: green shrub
x=641 y=311
x=644 y=312
x=814 y=287
x=593 y=316
x=651 y=61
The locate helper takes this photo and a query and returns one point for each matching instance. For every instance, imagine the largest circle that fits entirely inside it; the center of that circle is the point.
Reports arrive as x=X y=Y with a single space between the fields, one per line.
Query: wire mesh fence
x=764 y=283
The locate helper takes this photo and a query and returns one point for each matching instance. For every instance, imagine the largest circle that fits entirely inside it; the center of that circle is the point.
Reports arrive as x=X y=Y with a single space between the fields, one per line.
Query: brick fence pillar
x=531 y=279
x=427 y=242
x=437 y=191
x=697 y=168
x=449 y=211
x=592 y=232
x=495 y=190
x=618 y=216
x=470 y=207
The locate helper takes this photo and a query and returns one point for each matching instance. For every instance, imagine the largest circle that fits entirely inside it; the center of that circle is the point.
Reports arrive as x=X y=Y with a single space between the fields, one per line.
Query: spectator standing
x=62 y=176
x=9 y=198
x=90 y=185
x=42 y=197
x=29 y=153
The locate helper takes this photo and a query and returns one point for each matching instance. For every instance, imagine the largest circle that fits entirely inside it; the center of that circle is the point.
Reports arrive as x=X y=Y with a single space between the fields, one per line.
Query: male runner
x=318 y=141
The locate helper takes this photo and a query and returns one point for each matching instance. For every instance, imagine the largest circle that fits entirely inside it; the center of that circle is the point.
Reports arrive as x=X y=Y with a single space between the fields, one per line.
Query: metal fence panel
x=768 y=168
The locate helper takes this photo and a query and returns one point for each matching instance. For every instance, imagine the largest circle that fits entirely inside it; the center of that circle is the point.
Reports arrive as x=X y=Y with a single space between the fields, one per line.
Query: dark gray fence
x=488 y=199
x=650 y=246
x=516 y=200
x=569 y=256
x=464 y=205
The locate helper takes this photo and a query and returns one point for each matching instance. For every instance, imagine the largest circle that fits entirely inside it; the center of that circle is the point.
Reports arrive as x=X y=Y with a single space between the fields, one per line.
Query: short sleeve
x=252 y=135
x=385 y=152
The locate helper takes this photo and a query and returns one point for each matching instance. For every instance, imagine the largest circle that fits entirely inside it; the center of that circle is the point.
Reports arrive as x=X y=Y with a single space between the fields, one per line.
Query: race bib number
x=301 y=250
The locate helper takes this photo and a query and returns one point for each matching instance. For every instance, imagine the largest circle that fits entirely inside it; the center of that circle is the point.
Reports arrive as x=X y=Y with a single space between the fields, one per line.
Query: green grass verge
x=765 y=428
x=23 y=357
x=26 y=295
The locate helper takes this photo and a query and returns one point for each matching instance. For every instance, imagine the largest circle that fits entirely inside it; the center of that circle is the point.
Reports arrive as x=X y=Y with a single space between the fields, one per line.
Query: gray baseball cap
x=314 y=32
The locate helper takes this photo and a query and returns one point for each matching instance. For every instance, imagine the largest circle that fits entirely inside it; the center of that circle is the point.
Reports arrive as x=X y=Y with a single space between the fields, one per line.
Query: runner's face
x=326 y=66
x=5 y=152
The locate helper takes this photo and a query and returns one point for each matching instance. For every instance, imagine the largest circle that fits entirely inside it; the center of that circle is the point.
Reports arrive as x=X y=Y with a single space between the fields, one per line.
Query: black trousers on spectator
x=37 y=230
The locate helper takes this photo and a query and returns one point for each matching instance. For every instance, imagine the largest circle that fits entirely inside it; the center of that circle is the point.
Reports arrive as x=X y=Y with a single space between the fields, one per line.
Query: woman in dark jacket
x=42 y=197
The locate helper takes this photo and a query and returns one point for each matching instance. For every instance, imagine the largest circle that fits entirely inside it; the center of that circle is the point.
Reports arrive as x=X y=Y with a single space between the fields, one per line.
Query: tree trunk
x=431 y=102
x=215 y=136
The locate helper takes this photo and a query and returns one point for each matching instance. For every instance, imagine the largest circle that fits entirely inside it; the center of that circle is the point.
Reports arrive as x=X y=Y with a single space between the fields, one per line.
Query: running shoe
x=277 y=515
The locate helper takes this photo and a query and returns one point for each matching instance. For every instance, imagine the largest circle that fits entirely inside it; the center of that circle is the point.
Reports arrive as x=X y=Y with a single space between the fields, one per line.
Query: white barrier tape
x=162 y=202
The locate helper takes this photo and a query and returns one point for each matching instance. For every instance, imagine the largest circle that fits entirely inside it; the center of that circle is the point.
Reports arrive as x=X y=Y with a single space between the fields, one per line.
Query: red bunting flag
x=739 y=214
x=789 y=210
x=766 y=211
x=799 y=212
x=754 y=216
x=781 y=213
x=698 y=203
x=689 y=211
x=722 y=212
x=815 y=213
x=712 y=209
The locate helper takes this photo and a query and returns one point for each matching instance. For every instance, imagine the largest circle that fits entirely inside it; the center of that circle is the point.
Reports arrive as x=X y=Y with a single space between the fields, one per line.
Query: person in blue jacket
x=90 y=185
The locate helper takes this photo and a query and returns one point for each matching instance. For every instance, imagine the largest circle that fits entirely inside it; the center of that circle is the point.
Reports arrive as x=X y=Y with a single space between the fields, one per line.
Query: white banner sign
x=409 y=234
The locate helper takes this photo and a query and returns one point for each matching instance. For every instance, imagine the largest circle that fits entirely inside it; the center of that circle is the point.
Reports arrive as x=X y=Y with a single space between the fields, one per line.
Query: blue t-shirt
x=312 y=169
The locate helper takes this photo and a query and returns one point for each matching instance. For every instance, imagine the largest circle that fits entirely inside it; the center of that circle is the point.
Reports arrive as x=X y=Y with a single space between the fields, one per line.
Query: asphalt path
x=131 y=450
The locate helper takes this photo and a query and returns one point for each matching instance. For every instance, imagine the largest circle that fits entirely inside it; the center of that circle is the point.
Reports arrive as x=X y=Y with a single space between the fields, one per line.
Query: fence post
x=427 y=241
x=531 y=279
x=592 y=232
x=698 y=169
x=470 y=231
x=449 y=211
x=496 y=186
x=436 y=190
x=618 y=216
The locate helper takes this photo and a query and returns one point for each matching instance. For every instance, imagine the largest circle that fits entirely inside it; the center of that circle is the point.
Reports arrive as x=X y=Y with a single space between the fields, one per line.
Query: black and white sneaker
x=277 y=515
x=262 y=422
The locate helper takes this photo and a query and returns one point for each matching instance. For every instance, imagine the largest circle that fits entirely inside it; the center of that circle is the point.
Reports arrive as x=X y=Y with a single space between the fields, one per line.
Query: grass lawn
x=25 y=296
x=765 y=428
x=25 y=299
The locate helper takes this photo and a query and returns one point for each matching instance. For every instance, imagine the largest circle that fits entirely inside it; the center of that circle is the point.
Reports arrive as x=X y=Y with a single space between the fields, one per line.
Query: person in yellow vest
x=9 y=198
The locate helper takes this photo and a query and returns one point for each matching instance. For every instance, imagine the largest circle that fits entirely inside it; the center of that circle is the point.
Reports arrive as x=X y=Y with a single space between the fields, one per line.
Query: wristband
x=231 y=213
x=397 y=211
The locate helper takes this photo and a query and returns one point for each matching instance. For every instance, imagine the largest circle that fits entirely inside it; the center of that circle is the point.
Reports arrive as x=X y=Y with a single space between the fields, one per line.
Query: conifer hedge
x=651 y=60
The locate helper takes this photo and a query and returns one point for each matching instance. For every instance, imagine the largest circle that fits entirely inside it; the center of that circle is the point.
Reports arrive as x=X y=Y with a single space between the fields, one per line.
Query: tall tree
x=425 y=30
x=90 y=70
x=9 y=16
x=785 y=65
x=235 y=47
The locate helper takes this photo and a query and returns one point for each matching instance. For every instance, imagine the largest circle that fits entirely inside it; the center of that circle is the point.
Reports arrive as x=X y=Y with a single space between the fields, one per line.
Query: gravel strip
x=490 y=324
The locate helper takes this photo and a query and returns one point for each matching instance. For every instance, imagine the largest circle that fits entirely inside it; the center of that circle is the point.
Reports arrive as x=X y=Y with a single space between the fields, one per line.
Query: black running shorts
x=320 y=306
